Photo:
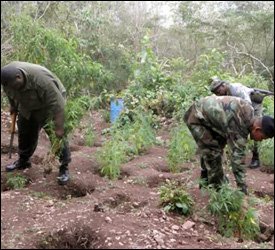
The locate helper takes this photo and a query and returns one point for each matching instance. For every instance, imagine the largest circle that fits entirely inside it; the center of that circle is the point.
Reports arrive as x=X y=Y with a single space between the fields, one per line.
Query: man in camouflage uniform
x=217 y=120
x=220 y=87
x=39 y=97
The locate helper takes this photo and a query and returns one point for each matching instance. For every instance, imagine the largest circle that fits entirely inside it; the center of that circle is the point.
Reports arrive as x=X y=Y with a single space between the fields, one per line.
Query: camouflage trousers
x=211 y=146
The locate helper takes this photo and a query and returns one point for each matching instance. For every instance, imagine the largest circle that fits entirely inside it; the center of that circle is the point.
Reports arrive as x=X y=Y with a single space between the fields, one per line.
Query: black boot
x=63 y=176
x=19 y=164
x=254 y=163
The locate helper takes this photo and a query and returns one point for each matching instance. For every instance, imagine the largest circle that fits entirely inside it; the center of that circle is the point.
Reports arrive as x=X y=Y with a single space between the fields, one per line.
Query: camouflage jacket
x=43 y=94
x=228 y=116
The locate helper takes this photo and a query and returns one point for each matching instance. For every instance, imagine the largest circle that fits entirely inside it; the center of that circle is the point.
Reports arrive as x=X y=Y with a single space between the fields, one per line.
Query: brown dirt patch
x=75 y=236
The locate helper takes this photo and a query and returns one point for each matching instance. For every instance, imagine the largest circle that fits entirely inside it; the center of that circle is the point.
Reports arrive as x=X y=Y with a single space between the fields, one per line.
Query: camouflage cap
x=215 y=83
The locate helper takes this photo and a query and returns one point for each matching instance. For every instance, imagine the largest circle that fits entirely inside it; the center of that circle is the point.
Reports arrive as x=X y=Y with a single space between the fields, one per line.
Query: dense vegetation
x=105 y=50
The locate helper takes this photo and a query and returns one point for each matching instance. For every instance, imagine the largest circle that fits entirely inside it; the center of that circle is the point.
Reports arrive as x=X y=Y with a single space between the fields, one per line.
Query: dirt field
x=94 y=212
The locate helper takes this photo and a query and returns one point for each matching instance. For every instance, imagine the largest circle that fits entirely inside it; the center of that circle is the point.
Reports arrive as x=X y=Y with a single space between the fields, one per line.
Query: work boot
x=19 y=164
x=63 y=176
x=254 y=164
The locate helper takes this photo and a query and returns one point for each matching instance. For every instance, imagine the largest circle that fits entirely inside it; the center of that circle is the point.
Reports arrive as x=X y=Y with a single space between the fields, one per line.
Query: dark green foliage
x=267 y=153
x=48 y=47
x=74 y=111
x=139 y=133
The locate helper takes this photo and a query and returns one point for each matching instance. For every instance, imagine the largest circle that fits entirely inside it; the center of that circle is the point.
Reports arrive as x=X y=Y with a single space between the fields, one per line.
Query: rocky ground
x=94 y=212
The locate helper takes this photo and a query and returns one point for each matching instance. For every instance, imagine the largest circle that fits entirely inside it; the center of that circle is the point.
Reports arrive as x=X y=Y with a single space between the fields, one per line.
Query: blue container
x=116 y=108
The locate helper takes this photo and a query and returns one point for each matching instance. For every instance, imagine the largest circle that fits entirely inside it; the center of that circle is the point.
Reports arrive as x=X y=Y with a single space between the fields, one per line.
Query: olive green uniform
x=215 y=121
x=42 y=97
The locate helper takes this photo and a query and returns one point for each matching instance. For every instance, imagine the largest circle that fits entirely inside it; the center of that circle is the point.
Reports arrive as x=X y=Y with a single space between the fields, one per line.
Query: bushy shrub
x=234 y=218
x=34 y=43
x=111 y=156
x=74 y=111
x=139 y=134
x=267 y=153
x=174 y=198
x=89 y=137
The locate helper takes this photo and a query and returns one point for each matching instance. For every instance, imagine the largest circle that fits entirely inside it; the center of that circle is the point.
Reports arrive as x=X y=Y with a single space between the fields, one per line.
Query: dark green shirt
x=43 y=94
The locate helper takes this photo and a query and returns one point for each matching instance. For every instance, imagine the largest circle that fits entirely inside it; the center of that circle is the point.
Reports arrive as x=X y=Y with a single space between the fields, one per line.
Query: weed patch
x=182 y=148
x=235 y=218
x=16 y=181
x=174 y=198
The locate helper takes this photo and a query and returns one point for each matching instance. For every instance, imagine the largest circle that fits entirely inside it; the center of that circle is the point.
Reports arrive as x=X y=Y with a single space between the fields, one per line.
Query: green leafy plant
x=4 y=99
x=111 y=156
x=139 y=134
x=268 y=105
x=128 y=137
x=181 y=148
x=89 y=137
x=74 y=111
x=16 y=181
x=235 y=218
x=174 y=198
x=267 y=153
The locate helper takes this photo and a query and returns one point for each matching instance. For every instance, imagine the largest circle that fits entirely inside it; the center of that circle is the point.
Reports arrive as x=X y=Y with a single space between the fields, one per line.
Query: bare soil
x=96 y=213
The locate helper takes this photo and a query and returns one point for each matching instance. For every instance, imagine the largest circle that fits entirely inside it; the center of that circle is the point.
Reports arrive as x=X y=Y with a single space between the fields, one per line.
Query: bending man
x=40 y=98
x=215 y=121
